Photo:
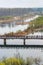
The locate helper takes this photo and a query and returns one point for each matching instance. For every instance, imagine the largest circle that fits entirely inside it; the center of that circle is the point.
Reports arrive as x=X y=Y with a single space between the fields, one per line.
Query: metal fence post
x=24 y=41
x=4 y=41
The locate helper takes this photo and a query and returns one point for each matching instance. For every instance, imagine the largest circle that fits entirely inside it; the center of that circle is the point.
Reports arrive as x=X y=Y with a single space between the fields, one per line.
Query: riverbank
x=35 y=25
x=23 y=29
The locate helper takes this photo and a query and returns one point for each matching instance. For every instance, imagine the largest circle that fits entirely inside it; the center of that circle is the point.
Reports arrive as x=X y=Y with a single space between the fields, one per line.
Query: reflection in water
x=7 y=24
x=7 y=29
x=29 y=52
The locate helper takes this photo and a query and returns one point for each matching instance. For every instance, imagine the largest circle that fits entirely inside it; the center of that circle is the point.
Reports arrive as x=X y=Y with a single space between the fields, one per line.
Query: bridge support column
x=4 y=41
x=24 y=41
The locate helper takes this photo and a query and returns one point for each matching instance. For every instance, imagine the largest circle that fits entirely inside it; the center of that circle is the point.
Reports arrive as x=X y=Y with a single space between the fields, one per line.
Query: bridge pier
x=4 y=41
x=24 y=41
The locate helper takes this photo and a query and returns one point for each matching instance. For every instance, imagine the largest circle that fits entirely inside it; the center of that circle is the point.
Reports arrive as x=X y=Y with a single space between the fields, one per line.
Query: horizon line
x=20 y=7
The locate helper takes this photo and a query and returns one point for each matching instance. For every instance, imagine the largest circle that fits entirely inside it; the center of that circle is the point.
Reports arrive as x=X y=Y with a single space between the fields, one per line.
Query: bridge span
x=20 y=37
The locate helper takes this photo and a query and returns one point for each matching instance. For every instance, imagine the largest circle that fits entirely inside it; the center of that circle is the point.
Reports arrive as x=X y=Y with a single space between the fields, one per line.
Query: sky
x=21 y=3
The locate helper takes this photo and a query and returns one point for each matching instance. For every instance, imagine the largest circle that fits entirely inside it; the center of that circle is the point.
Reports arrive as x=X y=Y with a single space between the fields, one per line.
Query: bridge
x=24 y=38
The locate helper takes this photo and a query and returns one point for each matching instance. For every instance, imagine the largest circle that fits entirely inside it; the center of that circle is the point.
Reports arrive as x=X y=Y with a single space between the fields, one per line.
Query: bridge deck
x=23 y=37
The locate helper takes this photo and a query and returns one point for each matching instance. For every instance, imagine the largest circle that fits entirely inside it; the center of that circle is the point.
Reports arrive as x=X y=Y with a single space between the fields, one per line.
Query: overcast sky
x=21 y=3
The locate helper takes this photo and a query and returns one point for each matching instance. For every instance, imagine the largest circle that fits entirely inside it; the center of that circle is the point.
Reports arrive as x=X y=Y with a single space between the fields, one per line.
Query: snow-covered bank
x=30 y=19
x=6 y=29
x=36 y=34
